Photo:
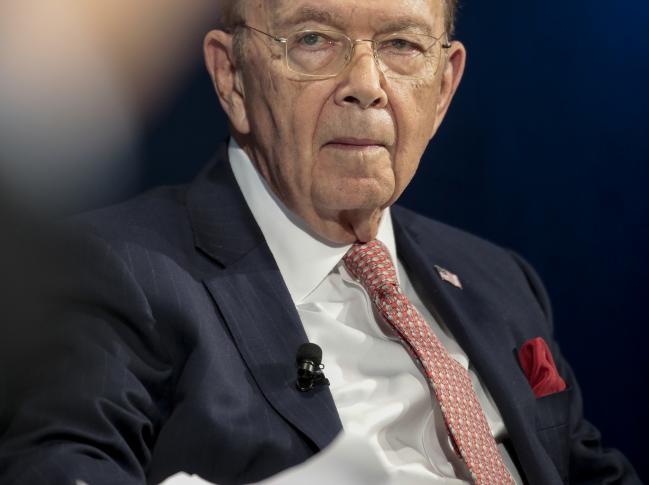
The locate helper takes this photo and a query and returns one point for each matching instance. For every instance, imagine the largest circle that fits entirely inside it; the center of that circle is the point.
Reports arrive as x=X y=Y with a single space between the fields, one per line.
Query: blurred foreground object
x=78 y=80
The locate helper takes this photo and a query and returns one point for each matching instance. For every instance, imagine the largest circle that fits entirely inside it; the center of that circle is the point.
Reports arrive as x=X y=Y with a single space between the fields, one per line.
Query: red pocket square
x=539 y=368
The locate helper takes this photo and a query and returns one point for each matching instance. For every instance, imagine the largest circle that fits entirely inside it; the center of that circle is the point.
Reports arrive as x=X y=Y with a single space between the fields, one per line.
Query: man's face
x=341 y=149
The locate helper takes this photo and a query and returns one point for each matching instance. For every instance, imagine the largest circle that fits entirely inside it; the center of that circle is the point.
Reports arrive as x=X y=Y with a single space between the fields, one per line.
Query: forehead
x=349 y=15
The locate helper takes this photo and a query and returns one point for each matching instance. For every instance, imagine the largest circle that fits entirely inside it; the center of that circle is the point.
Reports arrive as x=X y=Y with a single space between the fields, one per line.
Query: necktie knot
x=371 y=264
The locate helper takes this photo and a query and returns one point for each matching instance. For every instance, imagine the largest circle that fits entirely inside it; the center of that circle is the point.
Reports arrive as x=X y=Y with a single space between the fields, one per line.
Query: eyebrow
x=308 y=13
x=386 y=24
x=405 y=23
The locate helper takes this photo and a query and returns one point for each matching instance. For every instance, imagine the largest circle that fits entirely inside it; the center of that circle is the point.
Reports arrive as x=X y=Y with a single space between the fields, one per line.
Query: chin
x=357 y=203
x=364 y=194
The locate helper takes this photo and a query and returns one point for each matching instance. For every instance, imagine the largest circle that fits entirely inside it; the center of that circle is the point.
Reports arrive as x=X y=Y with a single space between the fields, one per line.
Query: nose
x=362 y=82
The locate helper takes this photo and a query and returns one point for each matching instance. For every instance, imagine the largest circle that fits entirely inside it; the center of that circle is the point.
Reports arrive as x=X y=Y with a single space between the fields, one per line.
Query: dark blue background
x=546 y=151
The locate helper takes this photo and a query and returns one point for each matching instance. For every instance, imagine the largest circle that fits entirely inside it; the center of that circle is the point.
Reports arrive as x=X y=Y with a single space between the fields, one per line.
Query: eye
x=313 y=40
x=401 y=46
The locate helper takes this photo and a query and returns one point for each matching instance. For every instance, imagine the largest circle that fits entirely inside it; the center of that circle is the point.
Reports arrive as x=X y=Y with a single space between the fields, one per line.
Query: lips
x=355 y=143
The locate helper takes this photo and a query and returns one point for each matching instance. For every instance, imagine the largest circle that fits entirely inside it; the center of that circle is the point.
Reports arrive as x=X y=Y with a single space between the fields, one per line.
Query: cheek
x=284 y=115
x=417 y=103
x=415 y=108
x=298 y=110
x=297 y=118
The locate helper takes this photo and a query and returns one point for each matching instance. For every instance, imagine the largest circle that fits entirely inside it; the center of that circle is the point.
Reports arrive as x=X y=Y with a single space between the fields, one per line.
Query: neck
x=349 y=226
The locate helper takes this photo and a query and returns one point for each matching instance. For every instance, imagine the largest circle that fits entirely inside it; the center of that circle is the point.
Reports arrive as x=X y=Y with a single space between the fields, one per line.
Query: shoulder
x=155 y=216
x=477 y=259
x=444 y=237
x=136 y=247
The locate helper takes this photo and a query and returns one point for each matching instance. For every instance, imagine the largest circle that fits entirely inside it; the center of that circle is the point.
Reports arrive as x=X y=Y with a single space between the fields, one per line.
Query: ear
x=226 y=77
x=453 y=69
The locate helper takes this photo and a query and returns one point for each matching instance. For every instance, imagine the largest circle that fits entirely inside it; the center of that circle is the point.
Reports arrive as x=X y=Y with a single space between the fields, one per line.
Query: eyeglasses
x=320 y=54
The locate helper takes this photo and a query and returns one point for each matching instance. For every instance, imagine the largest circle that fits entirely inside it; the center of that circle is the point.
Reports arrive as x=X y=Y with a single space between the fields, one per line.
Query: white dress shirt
x=379 y=391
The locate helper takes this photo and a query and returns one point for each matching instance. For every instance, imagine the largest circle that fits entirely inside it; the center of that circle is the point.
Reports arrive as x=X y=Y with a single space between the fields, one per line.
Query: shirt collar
x=303 y=259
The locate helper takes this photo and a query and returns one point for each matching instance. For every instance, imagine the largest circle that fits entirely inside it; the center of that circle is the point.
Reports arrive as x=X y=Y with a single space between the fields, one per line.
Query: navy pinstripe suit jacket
x=176 y=351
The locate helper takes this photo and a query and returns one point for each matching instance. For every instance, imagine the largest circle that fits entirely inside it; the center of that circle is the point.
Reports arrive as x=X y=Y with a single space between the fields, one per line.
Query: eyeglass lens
x=326 y=53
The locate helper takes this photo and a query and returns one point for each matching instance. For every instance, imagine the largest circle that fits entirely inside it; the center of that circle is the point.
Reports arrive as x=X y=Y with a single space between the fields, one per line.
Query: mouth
x=355 y=144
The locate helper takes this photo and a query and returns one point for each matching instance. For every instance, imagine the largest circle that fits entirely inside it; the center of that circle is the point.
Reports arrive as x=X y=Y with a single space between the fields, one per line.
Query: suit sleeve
x=93 y=381
x=588 y=462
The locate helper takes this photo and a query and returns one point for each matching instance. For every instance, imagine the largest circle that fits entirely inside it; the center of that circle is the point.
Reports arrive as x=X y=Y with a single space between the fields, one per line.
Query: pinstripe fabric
x=177 y=351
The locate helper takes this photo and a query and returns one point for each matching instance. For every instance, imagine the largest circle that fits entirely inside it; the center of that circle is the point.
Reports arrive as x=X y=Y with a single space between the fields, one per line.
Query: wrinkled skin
x=336 y=151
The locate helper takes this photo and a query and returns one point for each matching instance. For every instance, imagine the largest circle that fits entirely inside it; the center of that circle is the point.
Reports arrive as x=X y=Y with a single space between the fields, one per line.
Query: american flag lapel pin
x=449 y=277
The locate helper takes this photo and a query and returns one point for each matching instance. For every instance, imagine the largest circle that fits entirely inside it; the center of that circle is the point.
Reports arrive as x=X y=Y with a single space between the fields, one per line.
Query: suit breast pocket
x=552 y=427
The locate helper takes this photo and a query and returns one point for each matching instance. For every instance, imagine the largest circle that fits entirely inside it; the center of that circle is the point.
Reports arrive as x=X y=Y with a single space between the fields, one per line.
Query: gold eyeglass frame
x=352 y=42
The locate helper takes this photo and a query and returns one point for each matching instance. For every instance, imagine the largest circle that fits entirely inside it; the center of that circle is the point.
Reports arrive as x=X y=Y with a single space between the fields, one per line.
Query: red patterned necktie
x=370 y=263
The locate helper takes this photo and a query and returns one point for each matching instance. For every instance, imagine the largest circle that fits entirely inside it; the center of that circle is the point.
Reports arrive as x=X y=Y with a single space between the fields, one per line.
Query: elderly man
x=179 y=351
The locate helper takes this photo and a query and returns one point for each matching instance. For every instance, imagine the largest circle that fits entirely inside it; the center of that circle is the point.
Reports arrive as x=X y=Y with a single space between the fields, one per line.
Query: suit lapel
x=489 y=346
x=252 y=298
x=254 y=301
